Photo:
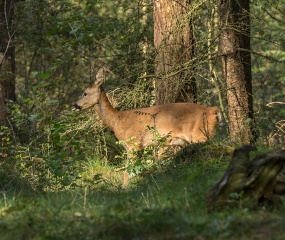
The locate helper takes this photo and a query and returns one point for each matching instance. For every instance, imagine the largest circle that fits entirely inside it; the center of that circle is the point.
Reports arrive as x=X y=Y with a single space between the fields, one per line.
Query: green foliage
x=62 y=43
x=65 y=41
x=150 y=159
x=268 y=73
x=49 y=161
x=51 y=149
x=72 y=157
x=6 y=142
x=168 y=205
x=7 y=149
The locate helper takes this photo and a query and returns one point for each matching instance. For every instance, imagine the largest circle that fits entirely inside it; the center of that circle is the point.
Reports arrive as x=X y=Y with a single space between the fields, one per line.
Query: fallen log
x=249 y=183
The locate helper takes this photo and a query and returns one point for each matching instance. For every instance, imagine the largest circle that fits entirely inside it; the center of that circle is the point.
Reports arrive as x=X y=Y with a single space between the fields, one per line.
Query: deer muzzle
x=76 y=107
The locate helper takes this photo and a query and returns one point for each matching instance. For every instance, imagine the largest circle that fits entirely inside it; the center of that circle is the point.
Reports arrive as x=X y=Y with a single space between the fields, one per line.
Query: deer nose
x=76 y=106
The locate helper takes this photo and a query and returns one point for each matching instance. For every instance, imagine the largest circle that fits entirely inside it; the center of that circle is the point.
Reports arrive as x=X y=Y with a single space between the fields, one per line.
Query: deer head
x=92 y=94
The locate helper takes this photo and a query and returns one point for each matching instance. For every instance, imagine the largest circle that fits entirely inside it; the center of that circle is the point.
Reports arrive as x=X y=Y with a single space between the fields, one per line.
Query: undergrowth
x=166 y=204
x=64 y=182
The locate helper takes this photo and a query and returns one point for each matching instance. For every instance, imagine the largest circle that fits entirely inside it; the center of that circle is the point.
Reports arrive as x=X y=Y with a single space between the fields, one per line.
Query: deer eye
x=85 y=94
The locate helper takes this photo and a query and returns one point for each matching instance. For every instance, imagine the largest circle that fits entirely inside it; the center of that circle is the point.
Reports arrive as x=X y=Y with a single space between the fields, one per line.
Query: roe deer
x=183 y=123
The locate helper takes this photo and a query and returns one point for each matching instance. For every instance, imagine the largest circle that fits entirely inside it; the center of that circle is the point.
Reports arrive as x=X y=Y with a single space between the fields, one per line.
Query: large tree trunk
x=235 y=46
x=7 y=58
x=174 y=43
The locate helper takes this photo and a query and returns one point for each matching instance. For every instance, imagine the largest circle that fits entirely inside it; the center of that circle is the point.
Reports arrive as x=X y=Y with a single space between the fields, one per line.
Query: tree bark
x=174 y=43
x=7 y=58
x=235 y=46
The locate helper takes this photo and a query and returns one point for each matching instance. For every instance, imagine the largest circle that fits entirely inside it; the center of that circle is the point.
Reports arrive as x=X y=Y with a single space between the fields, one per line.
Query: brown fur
x=184 y=123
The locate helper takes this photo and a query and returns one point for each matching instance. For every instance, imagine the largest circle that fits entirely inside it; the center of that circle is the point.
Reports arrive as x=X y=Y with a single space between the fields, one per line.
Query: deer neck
x=106 y=112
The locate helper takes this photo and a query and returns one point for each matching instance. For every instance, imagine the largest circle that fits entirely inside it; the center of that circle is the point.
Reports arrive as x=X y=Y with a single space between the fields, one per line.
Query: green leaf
x=33 y=117
x=248 y=120
x=73 y=31
x=53 y=101
x=44 y=75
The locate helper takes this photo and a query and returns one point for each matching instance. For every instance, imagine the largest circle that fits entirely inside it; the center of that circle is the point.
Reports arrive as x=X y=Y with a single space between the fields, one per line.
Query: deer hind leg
x=179 y=142
x=125 y=179
x=171 y=149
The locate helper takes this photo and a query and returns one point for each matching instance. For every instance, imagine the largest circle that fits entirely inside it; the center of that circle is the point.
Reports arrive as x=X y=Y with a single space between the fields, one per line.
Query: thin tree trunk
x=174 y=43
x=234 y=41
x=7 y=58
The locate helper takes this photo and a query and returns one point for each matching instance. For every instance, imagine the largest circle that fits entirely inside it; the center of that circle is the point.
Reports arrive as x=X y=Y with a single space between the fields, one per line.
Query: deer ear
x=100 y=77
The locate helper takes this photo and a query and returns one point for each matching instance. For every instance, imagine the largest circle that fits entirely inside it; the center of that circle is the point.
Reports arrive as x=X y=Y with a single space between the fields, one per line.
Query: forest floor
x=165 y=205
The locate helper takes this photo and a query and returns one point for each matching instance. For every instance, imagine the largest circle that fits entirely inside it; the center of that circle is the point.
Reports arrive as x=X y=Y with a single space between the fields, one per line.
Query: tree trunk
x=174 y=43
x=235 y=46
x=7 y=58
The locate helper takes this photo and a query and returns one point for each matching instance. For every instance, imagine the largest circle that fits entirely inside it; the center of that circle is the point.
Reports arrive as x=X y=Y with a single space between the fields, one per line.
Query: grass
x=166 y=205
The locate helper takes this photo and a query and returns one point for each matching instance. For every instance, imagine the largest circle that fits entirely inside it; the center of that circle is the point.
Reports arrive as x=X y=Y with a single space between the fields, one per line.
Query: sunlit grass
x=169 y=204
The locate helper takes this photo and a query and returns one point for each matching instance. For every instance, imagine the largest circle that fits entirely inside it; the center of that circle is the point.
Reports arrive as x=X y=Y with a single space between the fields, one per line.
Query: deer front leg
x=126 y=176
